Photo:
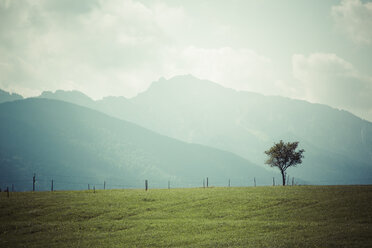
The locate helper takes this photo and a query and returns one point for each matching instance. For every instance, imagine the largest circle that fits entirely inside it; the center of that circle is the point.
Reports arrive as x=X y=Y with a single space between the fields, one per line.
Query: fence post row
x=205 y=184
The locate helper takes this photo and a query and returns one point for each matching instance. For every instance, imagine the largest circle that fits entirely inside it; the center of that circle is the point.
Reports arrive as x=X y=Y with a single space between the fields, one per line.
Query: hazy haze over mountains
x=69 y=143
x=316 y=51
x=249 y=59
x=338 y=144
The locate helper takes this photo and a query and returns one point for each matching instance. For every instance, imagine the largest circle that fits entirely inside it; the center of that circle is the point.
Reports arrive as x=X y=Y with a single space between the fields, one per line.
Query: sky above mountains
x=318 y=50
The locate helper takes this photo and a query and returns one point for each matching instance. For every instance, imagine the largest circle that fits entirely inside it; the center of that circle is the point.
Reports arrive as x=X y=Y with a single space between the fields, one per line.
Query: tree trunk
x=283 y=177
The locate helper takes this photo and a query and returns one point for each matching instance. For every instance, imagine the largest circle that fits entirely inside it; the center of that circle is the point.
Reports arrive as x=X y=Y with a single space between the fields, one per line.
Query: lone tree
x=284 y=155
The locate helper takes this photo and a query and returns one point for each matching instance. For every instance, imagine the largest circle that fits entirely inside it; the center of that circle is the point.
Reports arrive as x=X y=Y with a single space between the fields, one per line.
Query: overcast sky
x=319 y=50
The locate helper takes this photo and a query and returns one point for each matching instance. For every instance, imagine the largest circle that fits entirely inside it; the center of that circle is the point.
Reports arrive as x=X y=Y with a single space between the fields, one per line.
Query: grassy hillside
x=300 y=216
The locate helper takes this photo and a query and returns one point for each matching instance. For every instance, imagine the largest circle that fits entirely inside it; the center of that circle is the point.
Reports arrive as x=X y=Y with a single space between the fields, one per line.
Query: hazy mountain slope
x=200 y=111
x=6 y=96
x=73 y=96
x=58 y=138
x=338 y=144
x=111 y=105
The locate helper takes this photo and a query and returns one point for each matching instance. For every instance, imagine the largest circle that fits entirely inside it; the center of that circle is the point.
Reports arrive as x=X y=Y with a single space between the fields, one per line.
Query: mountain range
x=338 y=144
x=76 y=146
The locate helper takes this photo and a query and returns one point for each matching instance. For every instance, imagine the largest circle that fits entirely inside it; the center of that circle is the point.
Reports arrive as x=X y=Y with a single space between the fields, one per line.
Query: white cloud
x=99 y=47
x=114 y=48
x=354 y=18
x=173 y=21
x=329 y=79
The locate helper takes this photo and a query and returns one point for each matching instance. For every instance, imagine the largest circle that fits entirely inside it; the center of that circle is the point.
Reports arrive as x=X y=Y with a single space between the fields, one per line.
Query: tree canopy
x=284 y=155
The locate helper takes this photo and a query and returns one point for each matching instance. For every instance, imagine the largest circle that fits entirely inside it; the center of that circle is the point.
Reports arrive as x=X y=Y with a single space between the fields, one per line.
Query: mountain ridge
x=246 y=123
x=6 y=96
x=55 y=137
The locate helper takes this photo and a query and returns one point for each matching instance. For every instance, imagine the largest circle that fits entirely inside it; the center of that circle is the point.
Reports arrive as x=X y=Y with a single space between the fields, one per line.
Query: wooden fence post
x=7 y=191
x=254 y=181
x=273 y=181
x=104 y=184
x=33 y=182
x=52 y=189
x=146 y=185
x=207 y=182
x=168 y=184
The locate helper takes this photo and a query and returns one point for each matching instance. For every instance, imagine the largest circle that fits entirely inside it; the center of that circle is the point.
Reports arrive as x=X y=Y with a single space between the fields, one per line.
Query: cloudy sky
x=319 y=50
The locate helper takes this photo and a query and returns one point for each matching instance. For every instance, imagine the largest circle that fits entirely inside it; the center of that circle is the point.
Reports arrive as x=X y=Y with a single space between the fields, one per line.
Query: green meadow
x=298 y=216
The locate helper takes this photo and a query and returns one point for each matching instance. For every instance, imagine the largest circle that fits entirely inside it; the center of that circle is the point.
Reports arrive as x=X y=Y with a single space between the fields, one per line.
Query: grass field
x=299 y=216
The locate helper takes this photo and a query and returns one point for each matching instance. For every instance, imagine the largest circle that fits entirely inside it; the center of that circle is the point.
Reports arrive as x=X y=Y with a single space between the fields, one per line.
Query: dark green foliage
x=299 y=216
x=284 y=155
